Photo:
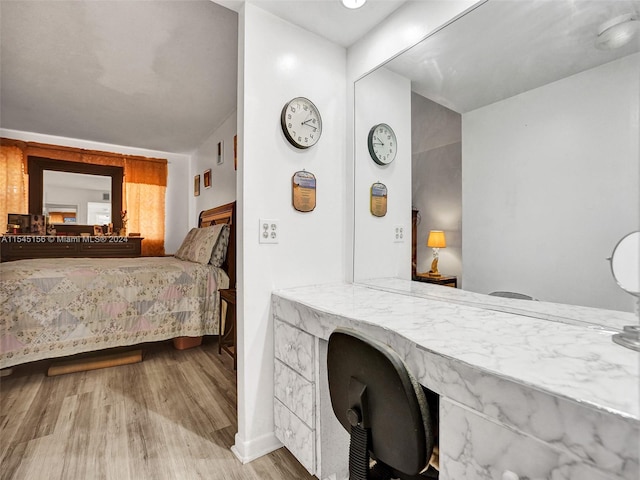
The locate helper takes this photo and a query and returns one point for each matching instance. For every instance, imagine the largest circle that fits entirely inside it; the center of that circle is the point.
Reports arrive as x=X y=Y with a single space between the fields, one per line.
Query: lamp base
x=434 y=273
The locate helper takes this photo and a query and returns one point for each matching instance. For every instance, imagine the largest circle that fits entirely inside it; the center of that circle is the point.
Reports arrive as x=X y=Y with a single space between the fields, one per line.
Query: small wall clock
x=301 y=122
x=382 y=144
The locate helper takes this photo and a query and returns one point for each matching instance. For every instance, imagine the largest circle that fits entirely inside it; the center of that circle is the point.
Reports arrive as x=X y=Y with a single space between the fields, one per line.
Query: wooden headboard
x=224 y=214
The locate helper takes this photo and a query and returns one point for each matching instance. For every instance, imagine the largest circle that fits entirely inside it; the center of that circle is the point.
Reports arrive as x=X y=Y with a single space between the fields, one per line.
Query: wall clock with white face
x=301 y=122
x=382 y=144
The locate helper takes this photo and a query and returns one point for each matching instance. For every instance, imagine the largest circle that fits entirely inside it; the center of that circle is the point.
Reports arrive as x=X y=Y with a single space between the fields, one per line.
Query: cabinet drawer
x=295 y=435
x=294 y=348
x=36 y=246
x=114 y=248
x=295 y=392
x=472 y=446
x=53 y=248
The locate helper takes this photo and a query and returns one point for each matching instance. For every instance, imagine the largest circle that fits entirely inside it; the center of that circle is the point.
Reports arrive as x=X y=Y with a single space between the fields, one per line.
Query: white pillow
x=186 y=243
x=198 y=246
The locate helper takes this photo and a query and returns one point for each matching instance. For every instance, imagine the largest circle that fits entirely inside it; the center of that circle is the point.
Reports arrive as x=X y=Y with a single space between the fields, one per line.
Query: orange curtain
x=144 y=201
x=143 y=189
x=14 y=183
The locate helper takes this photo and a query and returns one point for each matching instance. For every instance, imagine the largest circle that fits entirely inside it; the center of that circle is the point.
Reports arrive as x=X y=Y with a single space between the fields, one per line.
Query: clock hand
x=307 y=124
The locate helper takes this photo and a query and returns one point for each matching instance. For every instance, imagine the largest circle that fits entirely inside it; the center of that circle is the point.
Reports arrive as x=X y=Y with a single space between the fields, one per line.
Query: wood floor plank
x=32 y=464
x=173 y=416
x=11 y=460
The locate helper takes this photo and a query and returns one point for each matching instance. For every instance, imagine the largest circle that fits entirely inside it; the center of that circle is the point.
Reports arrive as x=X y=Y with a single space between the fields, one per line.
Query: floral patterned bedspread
x=61 y=306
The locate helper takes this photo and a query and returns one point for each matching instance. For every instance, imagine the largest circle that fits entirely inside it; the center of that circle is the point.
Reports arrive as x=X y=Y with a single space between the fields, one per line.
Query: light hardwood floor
x=172 y=417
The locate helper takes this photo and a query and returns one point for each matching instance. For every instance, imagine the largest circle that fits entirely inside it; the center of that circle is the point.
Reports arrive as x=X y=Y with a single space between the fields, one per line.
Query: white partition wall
x=280 y=61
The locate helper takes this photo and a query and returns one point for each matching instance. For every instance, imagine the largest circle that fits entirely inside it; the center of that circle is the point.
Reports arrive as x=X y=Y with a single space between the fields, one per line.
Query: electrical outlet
x=269 y=230
x=398 y=234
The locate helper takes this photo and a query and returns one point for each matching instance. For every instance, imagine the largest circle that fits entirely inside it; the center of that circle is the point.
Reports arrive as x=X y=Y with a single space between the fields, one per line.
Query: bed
x=51 y=308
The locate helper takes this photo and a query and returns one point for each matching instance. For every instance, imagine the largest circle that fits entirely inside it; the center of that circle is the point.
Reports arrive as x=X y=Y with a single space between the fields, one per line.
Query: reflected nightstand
x=446 y=280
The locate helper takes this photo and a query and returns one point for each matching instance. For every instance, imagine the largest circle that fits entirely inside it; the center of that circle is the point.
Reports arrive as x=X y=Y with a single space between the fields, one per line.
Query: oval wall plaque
x=303 y=187
x=378 y=199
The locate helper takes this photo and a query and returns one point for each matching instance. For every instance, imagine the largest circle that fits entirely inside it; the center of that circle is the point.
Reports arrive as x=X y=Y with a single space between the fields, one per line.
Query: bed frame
x=214 y=216
x=224 y=214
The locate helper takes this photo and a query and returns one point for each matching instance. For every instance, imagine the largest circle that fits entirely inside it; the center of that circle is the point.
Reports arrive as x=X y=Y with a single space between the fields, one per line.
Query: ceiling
x=159 y=75
x=330 y=19
x=463 y=67
x=134 y=73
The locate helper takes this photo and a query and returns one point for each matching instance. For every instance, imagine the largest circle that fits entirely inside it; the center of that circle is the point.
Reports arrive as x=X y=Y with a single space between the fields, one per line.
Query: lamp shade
x=436 y=239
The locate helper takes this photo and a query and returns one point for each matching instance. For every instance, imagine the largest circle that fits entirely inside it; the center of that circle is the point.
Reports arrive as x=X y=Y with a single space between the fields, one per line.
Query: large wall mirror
x=75 y=195
x=518 y=136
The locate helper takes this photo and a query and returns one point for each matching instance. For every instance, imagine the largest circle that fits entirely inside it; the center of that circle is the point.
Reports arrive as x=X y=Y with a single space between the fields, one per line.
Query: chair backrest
x=369 y=385
x=519 y=296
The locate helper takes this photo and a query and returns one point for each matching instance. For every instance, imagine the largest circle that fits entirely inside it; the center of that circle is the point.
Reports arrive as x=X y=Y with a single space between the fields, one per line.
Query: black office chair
x=390 y=417
x=519 y=296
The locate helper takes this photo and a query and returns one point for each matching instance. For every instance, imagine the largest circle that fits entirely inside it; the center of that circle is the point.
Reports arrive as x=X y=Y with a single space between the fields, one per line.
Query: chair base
x=381 y=472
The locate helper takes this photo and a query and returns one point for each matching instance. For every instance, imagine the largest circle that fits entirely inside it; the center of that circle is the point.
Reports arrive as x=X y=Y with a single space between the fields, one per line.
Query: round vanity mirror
x=626 y=270
x=625 y=264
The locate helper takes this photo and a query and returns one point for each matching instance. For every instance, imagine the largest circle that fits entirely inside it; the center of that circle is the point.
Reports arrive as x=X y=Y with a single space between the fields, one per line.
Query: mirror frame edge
x=36 y=166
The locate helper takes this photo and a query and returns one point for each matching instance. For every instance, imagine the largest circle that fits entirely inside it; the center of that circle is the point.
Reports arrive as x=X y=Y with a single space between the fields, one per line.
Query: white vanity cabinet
x=294 y=391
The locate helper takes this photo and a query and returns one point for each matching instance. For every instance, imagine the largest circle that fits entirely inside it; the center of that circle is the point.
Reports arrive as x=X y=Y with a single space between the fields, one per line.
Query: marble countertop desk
x=551 y=374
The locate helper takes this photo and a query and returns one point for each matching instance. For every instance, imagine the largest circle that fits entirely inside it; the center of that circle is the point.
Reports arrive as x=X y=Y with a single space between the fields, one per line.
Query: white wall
x=279 y=61
x=405 y=27
x=223 y=177
x=436 y=186
x=177 y=203
x=382 y=97
x=550 y=184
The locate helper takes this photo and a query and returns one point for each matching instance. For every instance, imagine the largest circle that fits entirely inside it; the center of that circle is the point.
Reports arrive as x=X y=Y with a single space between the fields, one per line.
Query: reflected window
x=80 y=198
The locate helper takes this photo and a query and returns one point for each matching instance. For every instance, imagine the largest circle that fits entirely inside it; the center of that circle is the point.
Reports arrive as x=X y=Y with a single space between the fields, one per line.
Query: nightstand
x=446 y=280
x=227 y=340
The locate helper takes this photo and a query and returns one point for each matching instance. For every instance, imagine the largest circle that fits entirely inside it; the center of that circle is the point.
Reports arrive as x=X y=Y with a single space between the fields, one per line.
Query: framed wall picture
x=196 y=185
x=220 y=152
x=207 y=178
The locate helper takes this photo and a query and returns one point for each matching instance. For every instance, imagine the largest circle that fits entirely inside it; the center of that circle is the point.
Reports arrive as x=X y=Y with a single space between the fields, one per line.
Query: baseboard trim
x=247 y=451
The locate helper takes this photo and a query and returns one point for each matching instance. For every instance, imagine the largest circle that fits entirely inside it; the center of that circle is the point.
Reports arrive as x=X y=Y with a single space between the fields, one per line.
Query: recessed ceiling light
x=617 y=32
x=353 y=4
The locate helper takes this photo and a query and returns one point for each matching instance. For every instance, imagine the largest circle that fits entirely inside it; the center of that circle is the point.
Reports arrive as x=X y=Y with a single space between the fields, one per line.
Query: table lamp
x=436 y=241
